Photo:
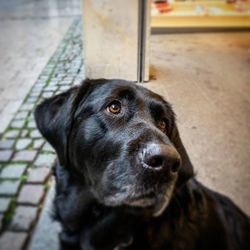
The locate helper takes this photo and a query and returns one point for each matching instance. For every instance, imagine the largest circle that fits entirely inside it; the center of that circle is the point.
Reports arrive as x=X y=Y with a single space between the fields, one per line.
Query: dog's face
x=121 y=140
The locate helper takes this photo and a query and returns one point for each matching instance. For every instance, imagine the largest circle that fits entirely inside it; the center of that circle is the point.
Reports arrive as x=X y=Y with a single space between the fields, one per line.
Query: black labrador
x=124 y=179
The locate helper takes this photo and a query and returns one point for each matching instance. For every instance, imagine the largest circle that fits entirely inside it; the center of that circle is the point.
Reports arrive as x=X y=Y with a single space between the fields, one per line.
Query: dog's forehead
x=124 y=88
x=111 y=88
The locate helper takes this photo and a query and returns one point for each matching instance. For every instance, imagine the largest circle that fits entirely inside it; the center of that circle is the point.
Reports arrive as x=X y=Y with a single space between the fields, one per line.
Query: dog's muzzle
x=160 y=164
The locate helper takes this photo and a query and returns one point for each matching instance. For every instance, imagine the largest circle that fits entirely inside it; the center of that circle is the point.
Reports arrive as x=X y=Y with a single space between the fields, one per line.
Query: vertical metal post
x=116 y=38
x=143 y=40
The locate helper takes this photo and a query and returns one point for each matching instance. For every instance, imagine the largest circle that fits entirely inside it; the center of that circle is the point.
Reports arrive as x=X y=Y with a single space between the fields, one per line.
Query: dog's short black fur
x=124 y=179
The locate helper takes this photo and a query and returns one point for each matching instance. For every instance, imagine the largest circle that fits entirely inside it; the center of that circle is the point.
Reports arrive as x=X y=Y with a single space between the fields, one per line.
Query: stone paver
x=21 y=115
x=45 y=160
x=23 y=143
x=5 y=155
x=31 y=99
x=38 y=175
x=13 y=240
x=31 y=124
x=35 y=134
x=25 y=133
x=24 y=218
x=25 y=155
x=28 y=190
x=64 y=88
x=27 y=107
x=6 y=144
x=50 y=88
x=47 y=95
x=17 y=123
x=31 y=195
x=4 y=204
x=9 y=188
x=12 y=133
x=13 y=171
x=38 y=143
x=48 y=148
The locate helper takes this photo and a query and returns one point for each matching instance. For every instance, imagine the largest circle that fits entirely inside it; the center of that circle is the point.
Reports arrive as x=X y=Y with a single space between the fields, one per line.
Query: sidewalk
x=30 y=33
x=26 y=159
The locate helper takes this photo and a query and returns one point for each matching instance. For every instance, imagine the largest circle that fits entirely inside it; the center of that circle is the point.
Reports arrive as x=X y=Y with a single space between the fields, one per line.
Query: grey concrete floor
x=207 y=79
x=30 y=33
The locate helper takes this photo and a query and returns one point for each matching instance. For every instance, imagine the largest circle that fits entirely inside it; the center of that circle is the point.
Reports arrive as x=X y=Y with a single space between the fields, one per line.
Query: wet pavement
x=30 y=33
x=25 y=159
x=40 y=56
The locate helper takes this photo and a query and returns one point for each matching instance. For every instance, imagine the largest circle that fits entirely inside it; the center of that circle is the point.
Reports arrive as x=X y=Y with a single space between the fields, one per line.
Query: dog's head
x=121 y=139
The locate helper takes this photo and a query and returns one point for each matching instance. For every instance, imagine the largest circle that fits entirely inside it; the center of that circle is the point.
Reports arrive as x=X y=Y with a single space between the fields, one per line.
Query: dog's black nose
x=161 y=157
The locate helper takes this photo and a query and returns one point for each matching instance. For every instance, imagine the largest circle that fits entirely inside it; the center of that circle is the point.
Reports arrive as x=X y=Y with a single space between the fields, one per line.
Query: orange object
x=163 y=7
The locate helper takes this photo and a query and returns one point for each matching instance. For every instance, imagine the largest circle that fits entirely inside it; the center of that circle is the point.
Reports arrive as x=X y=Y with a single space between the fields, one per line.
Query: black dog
x=124 y=179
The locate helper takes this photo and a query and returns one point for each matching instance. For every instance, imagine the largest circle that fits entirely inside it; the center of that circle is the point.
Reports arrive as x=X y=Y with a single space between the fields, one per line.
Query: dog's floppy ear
x=54 y=117
x=186 y=171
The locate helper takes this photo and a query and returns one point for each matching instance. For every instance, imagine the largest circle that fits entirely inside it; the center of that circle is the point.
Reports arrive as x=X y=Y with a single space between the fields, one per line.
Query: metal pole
x=116 y=38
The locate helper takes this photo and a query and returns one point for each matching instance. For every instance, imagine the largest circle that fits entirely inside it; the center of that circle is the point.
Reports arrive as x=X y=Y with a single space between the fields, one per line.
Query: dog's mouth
x=157 y=202
x=142 y=200
x=141 y=195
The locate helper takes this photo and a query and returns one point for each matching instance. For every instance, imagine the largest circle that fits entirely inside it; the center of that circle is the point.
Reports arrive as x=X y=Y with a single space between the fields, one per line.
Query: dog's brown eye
x=114 y=107
x=162 y=125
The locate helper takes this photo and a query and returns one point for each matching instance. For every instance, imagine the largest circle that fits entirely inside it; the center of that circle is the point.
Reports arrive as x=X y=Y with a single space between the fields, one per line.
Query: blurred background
x=200 y=14
x=196 y=54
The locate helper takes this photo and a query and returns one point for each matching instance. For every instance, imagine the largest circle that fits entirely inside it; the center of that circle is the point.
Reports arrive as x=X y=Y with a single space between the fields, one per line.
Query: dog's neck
x=79 y=211
x=189 y=196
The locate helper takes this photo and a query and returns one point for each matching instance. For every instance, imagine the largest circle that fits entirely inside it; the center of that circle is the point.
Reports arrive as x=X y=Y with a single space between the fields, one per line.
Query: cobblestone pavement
x=25 y=158
x=30 y=33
